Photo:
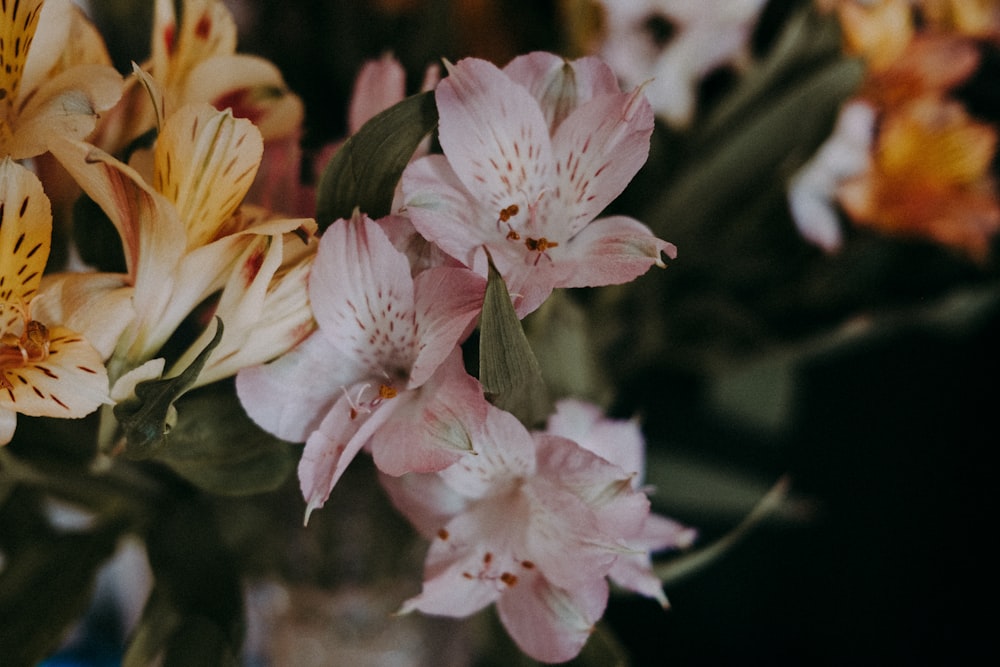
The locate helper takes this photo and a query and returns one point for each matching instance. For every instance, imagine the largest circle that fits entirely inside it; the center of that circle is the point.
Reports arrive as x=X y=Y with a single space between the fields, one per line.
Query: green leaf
x=194 y=615
x=215 y=446
x=363 y=174
x=508 y=369
x=144 y=419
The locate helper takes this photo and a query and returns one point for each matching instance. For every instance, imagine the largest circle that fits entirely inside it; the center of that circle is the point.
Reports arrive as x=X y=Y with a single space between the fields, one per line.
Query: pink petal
x=494 y=135
x=470 y=562
x=619 y=441
x=443 y=211
x=611 y=251
x=598 y=149
x=564 y=538
x=290 y=396
x=503 y=453
x=548 y=623
x=361 y=294
x=634 y=571
x=619 y=511
x=331 y=447
x=378 y=85
x=432 y=426
x=448 y=301
x=560 y=86
x=424 y=499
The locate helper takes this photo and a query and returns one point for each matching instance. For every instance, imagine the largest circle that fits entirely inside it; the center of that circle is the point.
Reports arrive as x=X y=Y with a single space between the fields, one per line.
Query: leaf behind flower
x=364 y=172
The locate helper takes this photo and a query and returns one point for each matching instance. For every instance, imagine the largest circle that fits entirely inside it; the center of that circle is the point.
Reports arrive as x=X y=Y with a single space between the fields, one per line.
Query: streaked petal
x=70 y=382
x=362 y=297
x=448 y=301
x=598 y=149
x=25 y=235
x=494 y=135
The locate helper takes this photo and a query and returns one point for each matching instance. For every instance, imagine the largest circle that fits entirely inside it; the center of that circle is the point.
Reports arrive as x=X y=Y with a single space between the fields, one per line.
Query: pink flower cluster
x=536 y=522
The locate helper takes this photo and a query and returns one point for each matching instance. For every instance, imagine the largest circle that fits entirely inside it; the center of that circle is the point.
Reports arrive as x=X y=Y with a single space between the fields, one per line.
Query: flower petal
x=361 y=294
x=71 y=382
x=598 y=149
x=432 y=426
x=290 y=396
x=25 y=235
x=549 y=623
x=206 y=161
x=331 y=447
x=611 y=251
x=447 y=302
x=494 y=135
x=559 y=85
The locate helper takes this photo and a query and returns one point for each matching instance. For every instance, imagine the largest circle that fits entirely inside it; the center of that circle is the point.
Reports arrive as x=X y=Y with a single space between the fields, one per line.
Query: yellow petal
x=206 y=161
x=25 y=233
x=18 y=21
x=70 y=382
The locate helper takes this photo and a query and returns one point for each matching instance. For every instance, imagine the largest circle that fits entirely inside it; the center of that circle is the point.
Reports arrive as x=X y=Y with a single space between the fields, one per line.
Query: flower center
x=31 y=346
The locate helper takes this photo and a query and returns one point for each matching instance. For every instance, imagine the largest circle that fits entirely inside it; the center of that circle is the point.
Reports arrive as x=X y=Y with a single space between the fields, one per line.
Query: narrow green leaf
x=363 y=174
x=508 y=369
x=144 y=419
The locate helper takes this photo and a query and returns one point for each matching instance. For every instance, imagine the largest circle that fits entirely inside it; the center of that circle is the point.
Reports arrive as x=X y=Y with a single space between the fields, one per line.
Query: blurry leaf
x=144 y=419
x=558 y=332
x=45 y=586
x=194 y=615
x=364 y=172
x=807 y=41
x=215 y=446
x=696 y=560
x=96 y=238
x=508 y=369
x=758 y=153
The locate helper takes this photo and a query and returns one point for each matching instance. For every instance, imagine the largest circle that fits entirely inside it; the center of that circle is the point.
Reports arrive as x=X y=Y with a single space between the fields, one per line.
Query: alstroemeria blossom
x=383 y=369
x=45 y=370
x=185 y=234
x=532 y=155
x=621 y=442
x=48 y=94
x=533 y=522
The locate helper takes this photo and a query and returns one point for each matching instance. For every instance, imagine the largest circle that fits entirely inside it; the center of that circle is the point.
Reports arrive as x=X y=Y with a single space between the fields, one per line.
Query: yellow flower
x=45 y=369
x=50 y=93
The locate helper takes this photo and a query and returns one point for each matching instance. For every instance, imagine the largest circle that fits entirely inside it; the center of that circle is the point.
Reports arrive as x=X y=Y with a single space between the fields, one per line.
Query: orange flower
x=930 y=178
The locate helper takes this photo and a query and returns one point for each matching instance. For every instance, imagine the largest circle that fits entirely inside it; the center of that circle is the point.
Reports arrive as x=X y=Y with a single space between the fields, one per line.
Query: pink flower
x=383 y=369
x=532 y=155
x=621 y=443
x=534 y=523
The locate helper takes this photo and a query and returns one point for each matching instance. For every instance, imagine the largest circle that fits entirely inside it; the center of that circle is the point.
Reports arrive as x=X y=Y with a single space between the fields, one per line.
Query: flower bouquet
x=246 y=380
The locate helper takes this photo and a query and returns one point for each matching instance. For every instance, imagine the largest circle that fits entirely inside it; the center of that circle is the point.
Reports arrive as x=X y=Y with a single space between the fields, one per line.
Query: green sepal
x=215 y=446
x=508 y=369
x=144 y=419
x=364 y=172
